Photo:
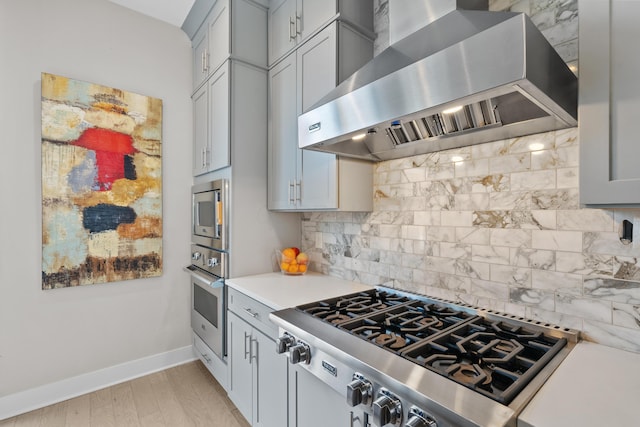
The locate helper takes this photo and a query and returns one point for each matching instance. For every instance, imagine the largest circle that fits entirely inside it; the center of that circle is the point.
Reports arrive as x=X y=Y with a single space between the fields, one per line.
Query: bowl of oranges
x=292 y=261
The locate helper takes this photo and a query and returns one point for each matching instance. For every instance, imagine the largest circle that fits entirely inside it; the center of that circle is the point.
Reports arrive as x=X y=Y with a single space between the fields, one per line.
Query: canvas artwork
x=101 y=184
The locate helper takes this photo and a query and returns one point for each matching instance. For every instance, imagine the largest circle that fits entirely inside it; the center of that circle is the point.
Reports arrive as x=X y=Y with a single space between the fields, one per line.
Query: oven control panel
x=209 y=260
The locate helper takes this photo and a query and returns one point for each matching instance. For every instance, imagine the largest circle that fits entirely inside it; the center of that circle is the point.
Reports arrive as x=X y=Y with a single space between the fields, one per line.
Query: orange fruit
x=288 y=254
x=293 y=268
x=284 y=266
x=302 y=268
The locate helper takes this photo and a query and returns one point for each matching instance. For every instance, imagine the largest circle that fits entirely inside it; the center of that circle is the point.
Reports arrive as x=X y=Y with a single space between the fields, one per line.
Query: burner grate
x=488 y=357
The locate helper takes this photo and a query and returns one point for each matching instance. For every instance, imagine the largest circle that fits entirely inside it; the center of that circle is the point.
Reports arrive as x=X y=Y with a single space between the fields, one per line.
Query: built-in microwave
x=209 y=207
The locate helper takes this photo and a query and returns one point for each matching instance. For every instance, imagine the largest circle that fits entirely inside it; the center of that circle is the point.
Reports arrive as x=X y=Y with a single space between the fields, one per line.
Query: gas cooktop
x=398 y=356
x=492 y=357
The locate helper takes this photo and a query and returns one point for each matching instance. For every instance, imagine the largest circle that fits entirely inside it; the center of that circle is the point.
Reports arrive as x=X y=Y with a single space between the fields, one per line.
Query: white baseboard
x=38 y=397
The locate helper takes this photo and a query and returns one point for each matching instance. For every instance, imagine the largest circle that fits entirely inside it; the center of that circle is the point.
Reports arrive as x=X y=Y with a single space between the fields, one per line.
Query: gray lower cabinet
x=609 y=102
x=257 y=375
x=312 y=403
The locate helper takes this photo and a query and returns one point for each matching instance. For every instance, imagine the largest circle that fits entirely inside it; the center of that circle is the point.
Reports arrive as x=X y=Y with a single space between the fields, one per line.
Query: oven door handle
x=208 y=279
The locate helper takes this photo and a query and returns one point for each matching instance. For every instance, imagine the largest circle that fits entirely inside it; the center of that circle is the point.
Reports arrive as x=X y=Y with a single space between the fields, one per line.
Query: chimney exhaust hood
x=468 y=77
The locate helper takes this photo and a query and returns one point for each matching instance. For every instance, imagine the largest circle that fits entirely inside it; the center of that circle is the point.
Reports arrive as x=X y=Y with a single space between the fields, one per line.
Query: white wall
x=47 y=336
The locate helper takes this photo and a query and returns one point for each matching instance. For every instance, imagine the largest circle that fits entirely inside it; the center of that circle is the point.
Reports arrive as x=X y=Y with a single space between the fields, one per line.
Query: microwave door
x=204 y=211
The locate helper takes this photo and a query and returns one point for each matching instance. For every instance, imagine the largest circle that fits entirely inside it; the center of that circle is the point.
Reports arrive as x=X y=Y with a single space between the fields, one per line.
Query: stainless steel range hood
x=467 y=77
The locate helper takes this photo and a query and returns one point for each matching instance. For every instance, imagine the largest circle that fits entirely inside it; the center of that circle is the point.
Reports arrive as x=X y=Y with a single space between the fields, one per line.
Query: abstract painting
x=101 y=184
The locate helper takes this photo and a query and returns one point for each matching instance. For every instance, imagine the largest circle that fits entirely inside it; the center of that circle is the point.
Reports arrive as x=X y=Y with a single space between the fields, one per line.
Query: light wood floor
x=186 y=395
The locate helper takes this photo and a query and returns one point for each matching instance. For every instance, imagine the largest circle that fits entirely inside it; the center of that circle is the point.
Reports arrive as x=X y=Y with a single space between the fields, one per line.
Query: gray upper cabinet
x=292 y=22
x=234 y=29
x=609 y=102
x=304 y=180
x=232 y=36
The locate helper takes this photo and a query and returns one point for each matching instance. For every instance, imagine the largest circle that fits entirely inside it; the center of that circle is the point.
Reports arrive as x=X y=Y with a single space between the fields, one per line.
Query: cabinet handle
x=247 y=352
x=202 y=62
x=292 y=199
x=251 y=313
x=206 y=62
x=252 y=354
x=298 y=191
x=292 y=26
x=206 y=358
x=298 y=25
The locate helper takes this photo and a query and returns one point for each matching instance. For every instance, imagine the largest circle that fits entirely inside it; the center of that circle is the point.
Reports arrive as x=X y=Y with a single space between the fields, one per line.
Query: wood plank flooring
x=183 y=396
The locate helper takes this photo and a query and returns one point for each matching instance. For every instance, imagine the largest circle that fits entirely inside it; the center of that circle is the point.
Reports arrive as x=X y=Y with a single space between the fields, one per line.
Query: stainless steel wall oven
x=209 y=260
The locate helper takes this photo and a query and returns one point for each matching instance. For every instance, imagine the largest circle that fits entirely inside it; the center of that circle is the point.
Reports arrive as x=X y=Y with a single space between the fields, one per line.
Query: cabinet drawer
x=253 y=312
x=215 y=365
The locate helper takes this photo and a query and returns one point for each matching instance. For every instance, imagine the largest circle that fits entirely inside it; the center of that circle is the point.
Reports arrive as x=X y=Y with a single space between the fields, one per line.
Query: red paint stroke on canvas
x=110 y=148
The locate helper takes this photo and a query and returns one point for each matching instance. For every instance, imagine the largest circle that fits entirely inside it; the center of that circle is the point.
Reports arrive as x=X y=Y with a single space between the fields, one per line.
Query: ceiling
x=171 y=11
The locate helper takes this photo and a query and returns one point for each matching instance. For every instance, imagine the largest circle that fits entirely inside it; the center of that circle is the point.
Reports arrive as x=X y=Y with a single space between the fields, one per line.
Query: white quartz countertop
x=280 y=291
x=594 y=386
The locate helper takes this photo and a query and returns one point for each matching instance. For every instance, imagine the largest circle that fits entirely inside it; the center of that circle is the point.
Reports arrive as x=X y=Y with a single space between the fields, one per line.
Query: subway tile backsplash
x=497 y=225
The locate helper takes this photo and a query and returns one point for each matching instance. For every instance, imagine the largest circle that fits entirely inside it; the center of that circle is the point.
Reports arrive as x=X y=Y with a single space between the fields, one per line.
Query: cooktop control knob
x=359 y=391
x=387 y=409
x=283 y=343
x=196 y=256
x=213 y=262
x=299 y=353
x=419 y=418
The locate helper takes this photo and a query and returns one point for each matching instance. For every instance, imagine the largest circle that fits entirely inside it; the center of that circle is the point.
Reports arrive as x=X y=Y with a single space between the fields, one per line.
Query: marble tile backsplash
x=497 y=225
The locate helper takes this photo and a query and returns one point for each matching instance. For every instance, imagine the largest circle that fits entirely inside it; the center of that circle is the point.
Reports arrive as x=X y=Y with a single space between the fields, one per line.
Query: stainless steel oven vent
x=468 y=77
x=461 y=119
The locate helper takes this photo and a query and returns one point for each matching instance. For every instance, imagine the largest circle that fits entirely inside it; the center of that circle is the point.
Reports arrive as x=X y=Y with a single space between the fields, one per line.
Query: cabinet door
x=317 y=75
x=609 y=102
x=219 y=37
x=219 y=97
x=240 y=372
x=315 y=404
x=312 y=14
x=283 y=134
x=282 y=28
x=200 y=130
x=270 y=372
x=200 y=48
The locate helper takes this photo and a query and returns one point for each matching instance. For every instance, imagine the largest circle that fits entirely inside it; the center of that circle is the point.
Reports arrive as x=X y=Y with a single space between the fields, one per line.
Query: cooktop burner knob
x=387 y=409
x=300 y=353
x=283 y=343
x=418 y=421
x=359 y=391
x=419 y=418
